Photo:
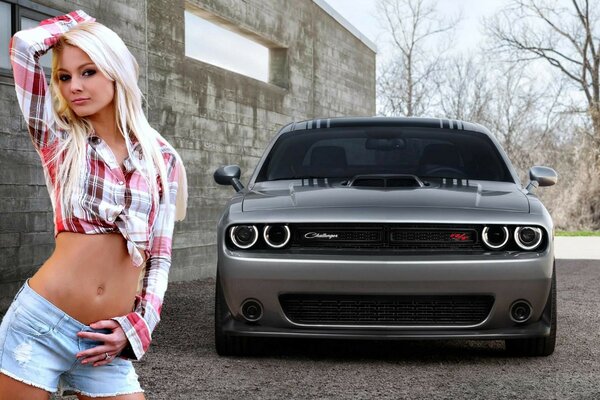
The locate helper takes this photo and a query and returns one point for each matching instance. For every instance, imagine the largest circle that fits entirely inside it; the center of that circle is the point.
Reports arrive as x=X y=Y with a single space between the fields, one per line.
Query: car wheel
x=538 y=346
x=228 y=345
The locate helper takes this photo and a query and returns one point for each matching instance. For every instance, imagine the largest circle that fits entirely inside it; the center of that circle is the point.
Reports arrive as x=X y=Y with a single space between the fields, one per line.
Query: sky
x=469 y=34
x=363 y=15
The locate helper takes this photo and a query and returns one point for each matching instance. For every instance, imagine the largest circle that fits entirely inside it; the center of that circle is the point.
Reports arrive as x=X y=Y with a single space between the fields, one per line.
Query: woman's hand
x=113 y=344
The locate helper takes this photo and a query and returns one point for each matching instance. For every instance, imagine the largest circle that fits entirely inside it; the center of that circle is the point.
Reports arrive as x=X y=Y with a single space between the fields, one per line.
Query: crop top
x=111 y=199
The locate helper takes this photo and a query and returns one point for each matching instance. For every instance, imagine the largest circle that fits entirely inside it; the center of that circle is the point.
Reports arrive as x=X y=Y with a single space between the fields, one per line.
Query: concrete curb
x=577 y=247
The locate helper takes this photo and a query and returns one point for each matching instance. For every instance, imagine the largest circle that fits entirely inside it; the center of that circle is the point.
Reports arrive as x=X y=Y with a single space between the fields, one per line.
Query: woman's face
x=87 y=90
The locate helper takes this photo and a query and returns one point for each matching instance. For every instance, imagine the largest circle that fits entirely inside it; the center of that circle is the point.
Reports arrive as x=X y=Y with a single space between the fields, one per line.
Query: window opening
x=213 y=44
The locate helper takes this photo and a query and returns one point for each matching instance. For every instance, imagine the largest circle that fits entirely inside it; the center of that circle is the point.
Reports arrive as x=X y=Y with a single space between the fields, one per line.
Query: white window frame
x=27 y=9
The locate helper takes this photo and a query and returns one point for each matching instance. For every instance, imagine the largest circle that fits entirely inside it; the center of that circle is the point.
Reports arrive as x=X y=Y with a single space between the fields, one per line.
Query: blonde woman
x=116 y=187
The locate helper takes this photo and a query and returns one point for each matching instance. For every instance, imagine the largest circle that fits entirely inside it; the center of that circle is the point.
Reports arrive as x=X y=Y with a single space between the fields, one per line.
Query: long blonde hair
x=112 y=57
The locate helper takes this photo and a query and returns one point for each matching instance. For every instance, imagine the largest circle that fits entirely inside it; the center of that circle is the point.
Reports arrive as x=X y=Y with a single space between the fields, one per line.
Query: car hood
x=479 y=195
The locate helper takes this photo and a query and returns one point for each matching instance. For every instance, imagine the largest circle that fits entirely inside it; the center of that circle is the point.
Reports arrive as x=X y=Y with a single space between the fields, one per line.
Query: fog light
x=520 y=311
x=252 y=310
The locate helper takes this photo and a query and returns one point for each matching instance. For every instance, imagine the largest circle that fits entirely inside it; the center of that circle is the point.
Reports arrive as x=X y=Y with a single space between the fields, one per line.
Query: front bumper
x=506 y=277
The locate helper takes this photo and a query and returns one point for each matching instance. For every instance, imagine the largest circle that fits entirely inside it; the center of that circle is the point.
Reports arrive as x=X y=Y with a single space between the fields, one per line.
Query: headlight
x=276 y=236
x=495 y=237
x=528 y=237
x=244 y=236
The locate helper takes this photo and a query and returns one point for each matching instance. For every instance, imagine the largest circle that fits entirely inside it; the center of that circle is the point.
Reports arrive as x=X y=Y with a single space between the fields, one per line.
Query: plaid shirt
x=112 y=199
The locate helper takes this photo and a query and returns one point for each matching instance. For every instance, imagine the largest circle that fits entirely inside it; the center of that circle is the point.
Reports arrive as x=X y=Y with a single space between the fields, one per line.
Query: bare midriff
x=89 y=277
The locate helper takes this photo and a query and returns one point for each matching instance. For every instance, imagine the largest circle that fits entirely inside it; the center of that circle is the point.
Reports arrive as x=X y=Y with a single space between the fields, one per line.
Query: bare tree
x=514 y=108
x=406 y=82
x=564 y=34
x=465 y=91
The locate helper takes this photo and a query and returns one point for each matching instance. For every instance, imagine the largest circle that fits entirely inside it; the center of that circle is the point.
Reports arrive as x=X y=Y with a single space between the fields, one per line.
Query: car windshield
x=348 y=152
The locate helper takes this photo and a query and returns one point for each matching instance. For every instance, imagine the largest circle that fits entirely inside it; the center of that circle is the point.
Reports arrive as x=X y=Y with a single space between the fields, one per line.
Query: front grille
x=387 y=236
x=411 y=310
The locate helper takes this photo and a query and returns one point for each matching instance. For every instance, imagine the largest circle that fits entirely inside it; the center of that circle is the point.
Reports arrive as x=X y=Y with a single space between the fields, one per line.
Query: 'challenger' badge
x=315 y=235
x=461 y=237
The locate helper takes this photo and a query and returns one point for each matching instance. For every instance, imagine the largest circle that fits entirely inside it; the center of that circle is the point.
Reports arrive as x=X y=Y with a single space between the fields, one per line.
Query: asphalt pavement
x=182 y=363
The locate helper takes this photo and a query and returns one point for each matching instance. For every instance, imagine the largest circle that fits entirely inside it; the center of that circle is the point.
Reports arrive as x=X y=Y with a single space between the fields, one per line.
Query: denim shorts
x=38 y=344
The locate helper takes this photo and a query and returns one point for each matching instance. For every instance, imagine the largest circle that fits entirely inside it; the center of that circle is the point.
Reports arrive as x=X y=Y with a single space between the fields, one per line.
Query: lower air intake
x=386 y=310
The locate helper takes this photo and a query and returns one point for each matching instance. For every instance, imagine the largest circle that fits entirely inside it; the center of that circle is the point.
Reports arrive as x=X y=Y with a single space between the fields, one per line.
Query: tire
x=229 y=345
x=538 y=346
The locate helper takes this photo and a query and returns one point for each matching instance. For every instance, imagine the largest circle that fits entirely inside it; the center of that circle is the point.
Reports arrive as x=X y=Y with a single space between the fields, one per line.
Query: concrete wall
x=211 y=115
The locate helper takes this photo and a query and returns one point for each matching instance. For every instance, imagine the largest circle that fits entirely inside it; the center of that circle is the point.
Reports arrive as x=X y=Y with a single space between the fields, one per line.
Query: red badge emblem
x=461 y=237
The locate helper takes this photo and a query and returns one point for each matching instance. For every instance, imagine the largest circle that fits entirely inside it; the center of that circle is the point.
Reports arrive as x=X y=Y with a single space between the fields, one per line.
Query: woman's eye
x=89 y=72
x=63 y=78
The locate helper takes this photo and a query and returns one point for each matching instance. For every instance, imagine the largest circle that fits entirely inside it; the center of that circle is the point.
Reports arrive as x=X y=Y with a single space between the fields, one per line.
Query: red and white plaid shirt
x=111 y=199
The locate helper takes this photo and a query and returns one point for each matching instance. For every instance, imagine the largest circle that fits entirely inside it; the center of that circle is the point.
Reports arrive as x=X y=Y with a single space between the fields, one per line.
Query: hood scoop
x=386 y=181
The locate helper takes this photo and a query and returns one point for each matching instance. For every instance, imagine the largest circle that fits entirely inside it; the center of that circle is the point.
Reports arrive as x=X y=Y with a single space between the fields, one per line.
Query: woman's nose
x=76 y=85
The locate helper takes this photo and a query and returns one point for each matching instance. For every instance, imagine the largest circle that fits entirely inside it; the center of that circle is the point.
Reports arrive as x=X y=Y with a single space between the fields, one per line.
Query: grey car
x=385 y=228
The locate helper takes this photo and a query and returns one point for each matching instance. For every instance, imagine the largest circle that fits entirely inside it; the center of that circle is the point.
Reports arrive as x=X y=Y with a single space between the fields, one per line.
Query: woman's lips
x=80 y=101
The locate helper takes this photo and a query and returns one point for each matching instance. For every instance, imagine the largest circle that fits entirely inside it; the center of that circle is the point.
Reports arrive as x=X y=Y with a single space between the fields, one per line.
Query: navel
x=100 y=289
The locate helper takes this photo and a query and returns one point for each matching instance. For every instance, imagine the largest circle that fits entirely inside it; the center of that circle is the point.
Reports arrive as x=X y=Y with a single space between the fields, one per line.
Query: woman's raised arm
x=26 y=48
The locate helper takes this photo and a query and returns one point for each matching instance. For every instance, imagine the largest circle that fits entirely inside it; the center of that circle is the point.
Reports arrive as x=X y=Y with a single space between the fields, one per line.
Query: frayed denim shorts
x=38 y=343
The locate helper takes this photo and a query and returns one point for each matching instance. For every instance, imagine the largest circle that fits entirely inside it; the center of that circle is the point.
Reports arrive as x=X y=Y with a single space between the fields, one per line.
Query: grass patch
x=577 y=233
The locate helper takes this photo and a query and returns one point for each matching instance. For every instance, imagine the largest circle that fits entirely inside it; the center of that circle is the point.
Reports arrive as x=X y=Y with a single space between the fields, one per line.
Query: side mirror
x=541 y=176
x=229 y=175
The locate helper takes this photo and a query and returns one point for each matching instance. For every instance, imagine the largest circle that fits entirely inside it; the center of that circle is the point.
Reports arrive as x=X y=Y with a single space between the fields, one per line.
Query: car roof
x=416 y=122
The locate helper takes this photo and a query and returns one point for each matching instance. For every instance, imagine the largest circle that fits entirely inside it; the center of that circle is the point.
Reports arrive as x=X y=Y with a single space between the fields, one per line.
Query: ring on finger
x=107 y=356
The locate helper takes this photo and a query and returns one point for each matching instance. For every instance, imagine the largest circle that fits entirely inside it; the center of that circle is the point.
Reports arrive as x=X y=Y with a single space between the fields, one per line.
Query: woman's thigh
x=11 y=389
x=32 y=351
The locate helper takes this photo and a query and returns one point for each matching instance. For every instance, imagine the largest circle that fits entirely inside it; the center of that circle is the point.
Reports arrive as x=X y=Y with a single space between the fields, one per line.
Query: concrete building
x=319 y=66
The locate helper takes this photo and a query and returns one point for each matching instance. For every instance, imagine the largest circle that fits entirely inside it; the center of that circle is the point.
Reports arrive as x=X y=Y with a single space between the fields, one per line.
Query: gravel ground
x=182 y=362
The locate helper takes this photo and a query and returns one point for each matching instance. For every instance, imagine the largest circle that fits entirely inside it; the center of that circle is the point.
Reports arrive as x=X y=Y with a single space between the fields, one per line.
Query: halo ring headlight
x=246 y=244
x=286 y=234
x=535 y=242
x=486 y=239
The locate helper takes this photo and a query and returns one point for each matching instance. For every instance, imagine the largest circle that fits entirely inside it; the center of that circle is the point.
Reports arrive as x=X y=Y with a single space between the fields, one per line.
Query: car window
x=347 y=152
